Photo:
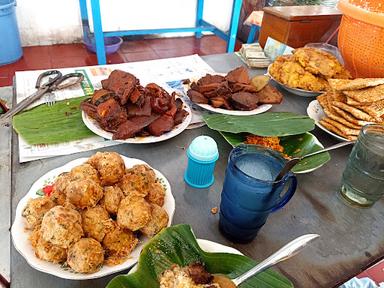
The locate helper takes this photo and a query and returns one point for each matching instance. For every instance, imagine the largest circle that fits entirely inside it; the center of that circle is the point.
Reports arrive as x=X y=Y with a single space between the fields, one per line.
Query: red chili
x=47 y=190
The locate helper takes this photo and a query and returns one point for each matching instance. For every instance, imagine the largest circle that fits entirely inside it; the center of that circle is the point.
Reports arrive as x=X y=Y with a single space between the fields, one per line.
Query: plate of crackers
x=348 y=106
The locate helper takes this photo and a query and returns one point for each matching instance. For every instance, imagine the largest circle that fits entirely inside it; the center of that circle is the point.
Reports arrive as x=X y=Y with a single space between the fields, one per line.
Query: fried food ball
x=35 y=210
x=85 y=256
x=133 y=215
x=137 y=181
x=118 y=244
x=84 y=193
x=45 y=250
x=159 y=220
x=61 y=226
x=96 y=222
x=84 y=171
x=110 y=165
x=112 y=198
x=156 y=194
x=58 y=192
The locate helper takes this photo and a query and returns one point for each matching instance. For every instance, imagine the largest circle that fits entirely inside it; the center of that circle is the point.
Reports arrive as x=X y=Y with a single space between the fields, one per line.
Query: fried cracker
x=355 y=84
x=357 y=113
x=338 y=118
x=344 y=129
x=376 y=109
x=372 y=94
x=350 y=117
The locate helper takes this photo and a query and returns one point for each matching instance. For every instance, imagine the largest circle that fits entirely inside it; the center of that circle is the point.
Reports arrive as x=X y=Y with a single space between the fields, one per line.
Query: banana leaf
x=177 y=245
x=265 y=124
x=59 y=123
x=294 y=146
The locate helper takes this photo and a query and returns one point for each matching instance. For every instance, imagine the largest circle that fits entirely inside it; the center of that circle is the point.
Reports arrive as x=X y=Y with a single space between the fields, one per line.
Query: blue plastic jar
x=202 y=156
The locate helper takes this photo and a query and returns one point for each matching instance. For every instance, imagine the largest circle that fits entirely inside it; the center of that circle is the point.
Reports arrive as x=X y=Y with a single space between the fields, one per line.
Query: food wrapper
x=274 y=48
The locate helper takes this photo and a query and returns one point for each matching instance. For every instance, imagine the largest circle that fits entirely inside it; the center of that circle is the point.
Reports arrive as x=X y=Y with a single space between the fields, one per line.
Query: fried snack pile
x=127 y=109
x=235 y=91
x=95 y=213
x=350 y=104
x=308 y=69
x=269 y=142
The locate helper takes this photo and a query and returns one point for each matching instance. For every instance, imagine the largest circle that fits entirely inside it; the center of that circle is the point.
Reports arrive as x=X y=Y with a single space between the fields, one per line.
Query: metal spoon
x=286 y=252
x=289 y=165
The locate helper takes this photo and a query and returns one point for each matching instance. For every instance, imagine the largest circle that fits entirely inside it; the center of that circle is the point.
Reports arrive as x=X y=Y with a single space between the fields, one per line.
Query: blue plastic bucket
x=10 y=46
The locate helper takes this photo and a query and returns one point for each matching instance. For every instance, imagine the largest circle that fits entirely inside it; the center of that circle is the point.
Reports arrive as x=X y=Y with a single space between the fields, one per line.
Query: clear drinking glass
x=363 y=178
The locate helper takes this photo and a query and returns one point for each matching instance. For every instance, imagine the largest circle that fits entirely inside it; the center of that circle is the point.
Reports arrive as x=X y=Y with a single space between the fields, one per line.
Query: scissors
x=56 y=81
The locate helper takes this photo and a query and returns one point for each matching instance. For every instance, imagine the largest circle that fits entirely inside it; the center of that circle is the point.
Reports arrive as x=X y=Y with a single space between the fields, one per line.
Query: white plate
x=261 y=109
x=95 y=128
x=296 y=91
x=23 y=245
x=208 y=246
x=315 y=111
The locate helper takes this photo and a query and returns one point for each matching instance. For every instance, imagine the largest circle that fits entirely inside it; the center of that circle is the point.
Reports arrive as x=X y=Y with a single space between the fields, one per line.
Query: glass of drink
x=250 y=193
x=363 y=178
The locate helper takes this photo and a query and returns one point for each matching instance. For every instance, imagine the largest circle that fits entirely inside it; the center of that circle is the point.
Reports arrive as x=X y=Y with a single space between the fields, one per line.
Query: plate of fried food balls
x=91 y=217
x=306 y=72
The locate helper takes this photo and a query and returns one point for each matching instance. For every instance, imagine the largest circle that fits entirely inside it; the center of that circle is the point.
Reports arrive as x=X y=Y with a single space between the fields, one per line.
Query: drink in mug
x=363 y=178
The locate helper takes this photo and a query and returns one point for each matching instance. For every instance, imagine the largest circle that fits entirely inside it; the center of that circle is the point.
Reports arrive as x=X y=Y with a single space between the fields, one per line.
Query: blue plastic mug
x=249 y=192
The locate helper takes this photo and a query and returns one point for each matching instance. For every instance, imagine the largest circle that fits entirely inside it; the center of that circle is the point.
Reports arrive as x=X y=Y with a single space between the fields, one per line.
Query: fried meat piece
x=133 y=214
x=121 y=83
x=209 y=79
x=100 y=96
x=197 y=97
x=164 y=123
x=245 y=100
x=159 y=220
x=118 y=244
x=110 y=166
x=133 y=126
x=160 y=99
x=111 y=115
x=61 y=226
x=112 y=197
x=96 y=222
x=84 y=193
x=239 y=75
x=86 y=256
x=45 y=250
x=269 y=95
x=35 y=211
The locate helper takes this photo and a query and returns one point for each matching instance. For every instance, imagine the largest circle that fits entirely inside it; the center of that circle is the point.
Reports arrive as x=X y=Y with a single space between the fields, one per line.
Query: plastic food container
x=202 y=156
x=111 y=44
x=361 y=37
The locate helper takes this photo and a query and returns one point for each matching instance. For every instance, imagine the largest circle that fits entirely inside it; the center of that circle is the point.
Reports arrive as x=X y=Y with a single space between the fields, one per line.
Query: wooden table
x=351 y=238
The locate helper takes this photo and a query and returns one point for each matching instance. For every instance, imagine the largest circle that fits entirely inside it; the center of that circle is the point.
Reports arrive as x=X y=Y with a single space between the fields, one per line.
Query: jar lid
x=203 y=148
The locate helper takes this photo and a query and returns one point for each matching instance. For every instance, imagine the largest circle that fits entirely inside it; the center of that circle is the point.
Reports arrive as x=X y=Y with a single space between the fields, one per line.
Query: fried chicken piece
x=35 y=211
x=318 y=62
x=133 y=214
x=96 y=222
x=156 y=194
x=45 y=250
x=118 y=244
x=84 y=171
x=159 y=220
x=84 y=193
x=110 y=165
x=86 y=256
x=112 y=197
x=61 y=226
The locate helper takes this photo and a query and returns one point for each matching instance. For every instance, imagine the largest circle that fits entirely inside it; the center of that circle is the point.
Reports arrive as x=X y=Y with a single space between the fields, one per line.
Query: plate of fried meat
x=126 y=111
x=306 y=71
x=91 y=217
x=349 y=105
x=234 y=93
